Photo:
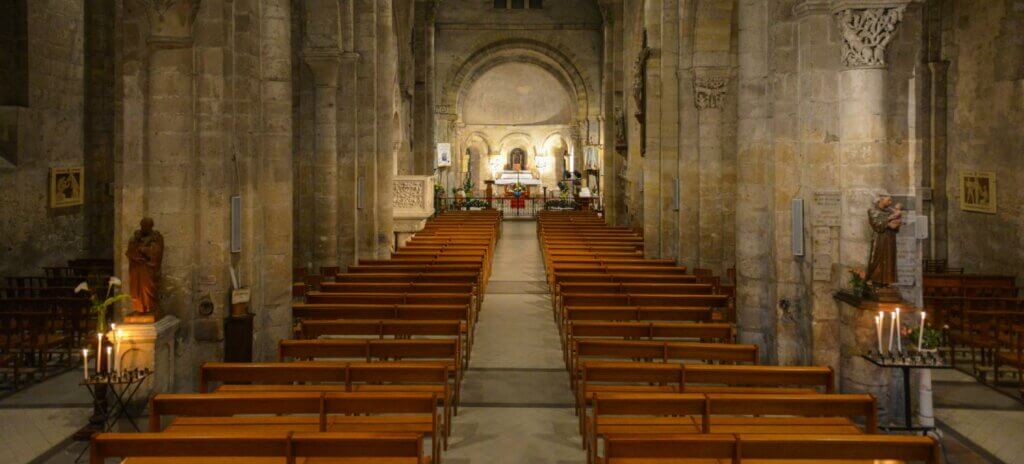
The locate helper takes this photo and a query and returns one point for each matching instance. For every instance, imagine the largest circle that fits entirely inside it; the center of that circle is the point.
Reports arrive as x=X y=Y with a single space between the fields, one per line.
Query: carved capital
x=170 y=22
x=444 y=110
x=709 y=87
x=866 y=30
x=323 y=64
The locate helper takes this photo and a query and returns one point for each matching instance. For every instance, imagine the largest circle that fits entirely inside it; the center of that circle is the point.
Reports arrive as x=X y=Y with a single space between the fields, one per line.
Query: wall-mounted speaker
x=236 y=224
x=798 y=226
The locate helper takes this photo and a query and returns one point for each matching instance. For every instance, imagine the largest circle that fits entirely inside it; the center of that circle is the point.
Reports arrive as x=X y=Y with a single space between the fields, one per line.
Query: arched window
x=13 y=53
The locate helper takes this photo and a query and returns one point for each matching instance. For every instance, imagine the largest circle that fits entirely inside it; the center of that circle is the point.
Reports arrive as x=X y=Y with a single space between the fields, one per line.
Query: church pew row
x=447 y=352
x=394 y=412
x=722 y=413
x=258 y=447
x=641 y=377
x=461 y=314
x=325 y=376
x=767 y=448
x=584 y=350
x=405 y=287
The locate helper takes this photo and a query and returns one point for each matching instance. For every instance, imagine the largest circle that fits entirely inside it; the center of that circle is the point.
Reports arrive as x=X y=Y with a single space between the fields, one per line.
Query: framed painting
x=978 y=191
x=67 y=186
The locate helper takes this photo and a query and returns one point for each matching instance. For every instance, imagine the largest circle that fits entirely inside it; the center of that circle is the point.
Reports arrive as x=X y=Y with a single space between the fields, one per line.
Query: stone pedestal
x=412 y=203
x=150 y=346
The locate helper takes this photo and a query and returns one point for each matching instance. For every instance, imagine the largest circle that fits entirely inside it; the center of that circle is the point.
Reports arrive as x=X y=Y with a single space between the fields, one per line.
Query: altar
x=510 y=177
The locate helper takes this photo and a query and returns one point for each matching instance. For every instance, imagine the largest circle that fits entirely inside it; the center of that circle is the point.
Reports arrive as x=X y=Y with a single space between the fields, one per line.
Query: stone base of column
x=150 y=346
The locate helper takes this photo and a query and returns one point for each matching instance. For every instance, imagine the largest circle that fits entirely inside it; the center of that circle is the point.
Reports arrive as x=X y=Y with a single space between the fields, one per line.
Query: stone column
x=709 y=88
x=170 y=165
x=387 y=112
x=939 y=205
x=608 y=187
x=648 y=64
x=754 y=302
x=863 y=160
x=323 y=64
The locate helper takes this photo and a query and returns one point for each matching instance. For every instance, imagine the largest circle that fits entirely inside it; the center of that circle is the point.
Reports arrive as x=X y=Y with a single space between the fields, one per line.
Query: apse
x=516 y=94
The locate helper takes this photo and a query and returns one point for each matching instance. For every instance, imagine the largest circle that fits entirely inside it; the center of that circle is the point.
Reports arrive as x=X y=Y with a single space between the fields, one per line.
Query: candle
x=899 y=339
x=892 y=325
x=881 y=327
x=117 y=350
x=920 y=332
x=85 y=363
x=99 y=352
x=109 y=358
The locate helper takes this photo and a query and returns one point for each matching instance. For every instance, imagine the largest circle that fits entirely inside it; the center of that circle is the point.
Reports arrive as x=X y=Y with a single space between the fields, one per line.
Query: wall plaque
x=822 y=267
x=827 y=209
x=906 y=254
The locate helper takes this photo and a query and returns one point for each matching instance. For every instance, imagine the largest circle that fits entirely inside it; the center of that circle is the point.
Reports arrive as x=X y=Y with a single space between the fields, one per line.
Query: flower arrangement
x=859 y=283
x=560 y=203
x=101 y=304
x=438 y=190
x=518 y=189
x=477 y=203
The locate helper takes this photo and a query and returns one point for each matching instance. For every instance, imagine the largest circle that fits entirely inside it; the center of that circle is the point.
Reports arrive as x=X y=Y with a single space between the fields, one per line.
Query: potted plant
x=517 y=190
x=931 y=340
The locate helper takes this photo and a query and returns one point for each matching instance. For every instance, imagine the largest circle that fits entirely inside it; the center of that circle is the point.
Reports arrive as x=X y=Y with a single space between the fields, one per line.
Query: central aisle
x=516 y=401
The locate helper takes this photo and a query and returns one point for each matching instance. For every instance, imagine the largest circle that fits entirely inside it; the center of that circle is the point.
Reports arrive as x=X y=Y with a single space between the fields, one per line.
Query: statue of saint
x=885 y=219
x=145 y=255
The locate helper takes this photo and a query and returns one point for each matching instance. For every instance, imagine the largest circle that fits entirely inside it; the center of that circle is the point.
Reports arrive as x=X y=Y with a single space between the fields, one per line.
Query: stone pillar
x=323 y=64
x=709 y=87
x=648 y=65
x=170 y=164
x=424 y=110
x=754 y=303
x=939 y=205
x=608 y=186
x=387 y=137
x=863 y=161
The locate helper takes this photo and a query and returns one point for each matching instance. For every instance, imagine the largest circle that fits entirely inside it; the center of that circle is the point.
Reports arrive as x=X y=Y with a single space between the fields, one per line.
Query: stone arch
x=549 y=58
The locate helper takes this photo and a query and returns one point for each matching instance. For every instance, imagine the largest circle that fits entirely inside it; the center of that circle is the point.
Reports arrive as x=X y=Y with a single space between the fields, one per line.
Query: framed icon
x=978 y=191
x=67 y=186
x=444 y=155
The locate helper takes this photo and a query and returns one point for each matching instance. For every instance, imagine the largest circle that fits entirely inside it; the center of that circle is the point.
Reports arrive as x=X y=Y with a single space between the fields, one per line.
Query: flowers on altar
x=518 y=189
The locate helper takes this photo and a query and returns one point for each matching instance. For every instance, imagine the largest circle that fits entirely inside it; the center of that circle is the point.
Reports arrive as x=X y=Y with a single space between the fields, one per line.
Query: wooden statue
x=145 y=256
x=885 y=219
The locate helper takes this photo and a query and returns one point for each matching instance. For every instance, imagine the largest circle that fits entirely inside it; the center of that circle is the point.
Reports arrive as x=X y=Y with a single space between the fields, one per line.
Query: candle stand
x=123 y=386
x=906 y=361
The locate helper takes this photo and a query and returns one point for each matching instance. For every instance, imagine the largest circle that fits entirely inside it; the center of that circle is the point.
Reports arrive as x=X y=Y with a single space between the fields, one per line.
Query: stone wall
x=43 y=131
x=985 y=51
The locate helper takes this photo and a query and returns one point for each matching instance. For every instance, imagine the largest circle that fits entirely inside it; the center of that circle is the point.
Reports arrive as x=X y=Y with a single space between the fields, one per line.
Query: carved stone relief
x=866 y=33
x=709 y=87
x=407 y=195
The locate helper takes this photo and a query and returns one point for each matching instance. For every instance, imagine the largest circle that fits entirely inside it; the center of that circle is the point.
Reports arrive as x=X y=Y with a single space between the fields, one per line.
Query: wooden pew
x=299 y=412
x=321 y=376
x=658 y=351
x=257 y=447
x=311 y=329
x=411 y=312
x=650 y=414
x=762 y=448
x=447 y=352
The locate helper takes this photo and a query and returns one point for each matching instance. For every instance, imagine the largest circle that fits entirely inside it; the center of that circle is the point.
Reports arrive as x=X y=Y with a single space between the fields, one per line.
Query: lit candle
x=85 y=363
x=920 y=332
x=899 y=340
x=117 y=350
x=109 y=358
x=99 y=352
x=892 y=327
x=878 y=330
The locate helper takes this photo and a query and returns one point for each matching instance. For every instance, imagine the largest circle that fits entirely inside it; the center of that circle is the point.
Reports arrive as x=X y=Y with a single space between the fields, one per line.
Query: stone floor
x=516 y=405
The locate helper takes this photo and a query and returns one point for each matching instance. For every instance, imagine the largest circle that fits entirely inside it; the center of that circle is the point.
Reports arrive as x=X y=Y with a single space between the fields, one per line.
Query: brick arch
x=551 y=59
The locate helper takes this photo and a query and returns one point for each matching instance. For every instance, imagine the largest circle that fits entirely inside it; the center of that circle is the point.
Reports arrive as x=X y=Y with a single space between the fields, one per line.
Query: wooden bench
x=637 y=414
x=659 y=351
x=763 y=448
x=257 y=447
x=311 y=329
x=299 y=412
